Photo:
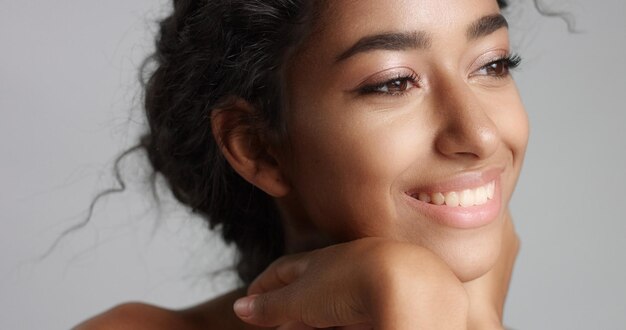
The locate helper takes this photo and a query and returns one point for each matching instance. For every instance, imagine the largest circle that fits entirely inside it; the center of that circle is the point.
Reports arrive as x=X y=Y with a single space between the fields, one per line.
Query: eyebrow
x=388 y=41
x=419 y=39
x=485 y=26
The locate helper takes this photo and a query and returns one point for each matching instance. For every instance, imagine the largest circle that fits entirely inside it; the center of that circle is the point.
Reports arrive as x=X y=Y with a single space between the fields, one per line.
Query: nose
x=466 y=131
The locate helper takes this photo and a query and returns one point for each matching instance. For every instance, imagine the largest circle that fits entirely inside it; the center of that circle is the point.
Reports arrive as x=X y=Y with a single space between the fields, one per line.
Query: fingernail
x=244 y=306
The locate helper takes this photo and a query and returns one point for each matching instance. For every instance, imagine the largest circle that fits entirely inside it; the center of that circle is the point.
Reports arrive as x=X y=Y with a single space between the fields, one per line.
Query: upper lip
x=459 y=182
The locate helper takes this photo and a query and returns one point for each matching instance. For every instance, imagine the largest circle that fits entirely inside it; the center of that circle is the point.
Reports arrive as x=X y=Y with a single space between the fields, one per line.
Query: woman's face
x=396 y=107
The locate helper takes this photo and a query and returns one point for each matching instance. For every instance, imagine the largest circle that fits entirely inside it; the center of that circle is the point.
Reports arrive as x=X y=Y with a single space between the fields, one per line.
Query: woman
x=373 y=144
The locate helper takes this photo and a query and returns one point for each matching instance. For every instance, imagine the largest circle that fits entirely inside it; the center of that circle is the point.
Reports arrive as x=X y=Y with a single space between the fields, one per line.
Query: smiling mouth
x=464 y=198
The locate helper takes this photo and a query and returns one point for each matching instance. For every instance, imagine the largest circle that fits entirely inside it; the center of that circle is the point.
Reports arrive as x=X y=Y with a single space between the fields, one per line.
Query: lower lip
x=461 y=217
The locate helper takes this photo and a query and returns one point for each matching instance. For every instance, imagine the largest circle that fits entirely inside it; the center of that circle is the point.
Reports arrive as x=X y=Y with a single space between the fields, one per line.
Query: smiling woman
x=360 y=154
x=387 y=125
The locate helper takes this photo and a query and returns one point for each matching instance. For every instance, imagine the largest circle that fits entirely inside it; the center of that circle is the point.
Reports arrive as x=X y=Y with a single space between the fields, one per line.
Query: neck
x=301 y=234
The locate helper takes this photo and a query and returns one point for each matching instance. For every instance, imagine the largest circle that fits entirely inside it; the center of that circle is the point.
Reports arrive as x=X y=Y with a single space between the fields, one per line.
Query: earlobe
x=246 y=150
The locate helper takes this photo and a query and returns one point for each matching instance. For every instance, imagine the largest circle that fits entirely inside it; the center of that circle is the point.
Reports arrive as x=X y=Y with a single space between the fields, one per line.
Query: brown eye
x=499 y=68
x=396 y=86
x=496 y=69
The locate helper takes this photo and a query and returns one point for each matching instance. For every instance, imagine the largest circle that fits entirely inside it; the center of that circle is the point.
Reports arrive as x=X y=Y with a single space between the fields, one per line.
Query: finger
x=362 y=326
x=295 y=326
x=280 y=273
x=269 y=309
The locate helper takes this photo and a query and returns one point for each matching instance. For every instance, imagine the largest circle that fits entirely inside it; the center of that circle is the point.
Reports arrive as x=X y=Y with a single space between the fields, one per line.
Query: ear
x=246 y=149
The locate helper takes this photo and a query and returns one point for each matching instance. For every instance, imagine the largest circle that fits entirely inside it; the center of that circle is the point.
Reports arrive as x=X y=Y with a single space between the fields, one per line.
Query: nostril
x=468 y=154
x=475 y=137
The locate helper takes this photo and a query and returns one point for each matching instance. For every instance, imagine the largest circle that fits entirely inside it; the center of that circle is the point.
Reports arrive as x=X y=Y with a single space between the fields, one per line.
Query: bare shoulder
x=213 y=314
x=137 y=316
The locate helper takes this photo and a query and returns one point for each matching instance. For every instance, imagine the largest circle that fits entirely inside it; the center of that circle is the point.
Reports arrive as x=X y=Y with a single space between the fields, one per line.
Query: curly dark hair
x=208 y=52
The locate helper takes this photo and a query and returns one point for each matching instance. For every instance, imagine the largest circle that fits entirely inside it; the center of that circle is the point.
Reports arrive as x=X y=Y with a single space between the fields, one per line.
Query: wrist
x=416 y=289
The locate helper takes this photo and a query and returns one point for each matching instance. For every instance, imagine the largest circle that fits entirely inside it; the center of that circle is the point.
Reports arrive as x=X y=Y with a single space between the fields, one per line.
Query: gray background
x=69 y=102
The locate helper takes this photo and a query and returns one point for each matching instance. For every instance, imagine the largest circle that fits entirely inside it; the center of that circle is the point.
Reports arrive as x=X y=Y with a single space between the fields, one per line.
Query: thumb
x=271 y=299
x=268 y=309
x=280 y=273
x=284 y=307
x=295 y=326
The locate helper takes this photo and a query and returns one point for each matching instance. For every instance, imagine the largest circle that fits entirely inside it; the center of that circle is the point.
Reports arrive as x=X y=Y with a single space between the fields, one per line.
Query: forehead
x=342 y=22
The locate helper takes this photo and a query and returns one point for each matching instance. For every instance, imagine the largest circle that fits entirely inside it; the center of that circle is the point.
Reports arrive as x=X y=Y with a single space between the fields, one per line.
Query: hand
x=370 y=282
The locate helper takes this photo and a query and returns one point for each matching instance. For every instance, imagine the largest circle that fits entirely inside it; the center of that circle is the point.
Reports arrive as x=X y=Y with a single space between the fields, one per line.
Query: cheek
x=512 y=122
x=514 y=130
x=376 y=144
x=505 y=109
x=346 y=165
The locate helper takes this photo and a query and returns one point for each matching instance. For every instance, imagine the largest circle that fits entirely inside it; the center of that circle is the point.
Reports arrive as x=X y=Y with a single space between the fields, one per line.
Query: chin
x=472 y=267
x=471 y=260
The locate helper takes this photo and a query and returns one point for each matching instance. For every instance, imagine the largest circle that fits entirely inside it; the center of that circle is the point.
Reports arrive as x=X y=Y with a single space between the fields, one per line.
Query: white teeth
x=491 y=187
x=438 y=199
x=464 y=198
x=424 y=197
x=481 y=196
x=452 y=199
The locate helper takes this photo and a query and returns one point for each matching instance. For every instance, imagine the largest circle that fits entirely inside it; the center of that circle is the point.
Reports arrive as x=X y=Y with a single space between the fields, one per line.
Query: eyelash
x=510 y=62
x=412 y=79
